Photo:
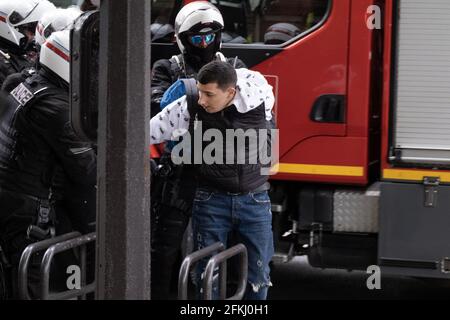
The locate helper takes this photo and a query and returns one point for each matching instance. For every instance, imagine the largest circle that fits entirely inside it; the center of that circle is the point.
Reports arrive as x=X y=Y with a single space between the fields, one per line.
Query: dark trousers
x=171 y=211
x=17 y=213
x=77 y=212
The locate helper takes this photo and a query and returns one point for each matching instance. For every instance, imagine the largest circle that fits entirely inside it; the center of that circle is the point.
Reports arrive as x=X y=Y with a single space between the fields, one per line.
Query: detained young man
x=229 y=136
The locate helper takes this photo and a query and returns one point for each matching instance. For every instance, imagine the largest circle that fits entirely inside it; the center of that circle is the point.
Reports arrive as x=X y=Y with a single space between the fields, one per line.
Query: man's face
x=27 y=31
x=212 y=98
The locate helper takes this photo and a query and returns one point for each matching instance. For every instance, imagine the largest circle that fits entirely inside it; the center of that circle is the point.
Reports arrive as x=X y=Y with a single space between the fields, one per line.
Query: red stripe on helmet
x=57 y=51
x=3 y=19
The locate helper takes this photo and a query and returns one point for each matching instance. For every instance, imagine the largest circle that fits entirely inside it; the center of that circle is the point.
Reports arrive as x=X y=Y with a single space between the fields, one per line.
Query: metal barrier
x=48 y=258
x=189 y=262
x=28 y=252
x=221 y=259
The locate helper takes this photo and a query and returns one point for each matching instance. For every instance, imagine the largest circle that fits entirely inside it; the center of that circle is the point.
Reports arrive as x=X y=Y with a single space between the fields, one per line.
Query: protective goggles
x=197 y=40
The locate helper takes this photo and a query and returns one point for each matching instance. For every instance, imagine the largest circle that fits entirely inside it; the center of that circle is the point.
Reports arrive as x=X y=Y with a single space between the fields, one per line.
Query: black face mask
x=29 y=48
x=197 y=57
x=25 y=44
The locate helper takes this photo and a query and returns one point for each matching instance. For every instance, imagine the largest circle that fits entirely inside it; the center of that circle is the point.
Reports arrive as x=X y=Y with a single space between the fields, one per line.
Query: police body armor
x=16 y=185
x=17 y=165
x=21 y=170
x=12 y=63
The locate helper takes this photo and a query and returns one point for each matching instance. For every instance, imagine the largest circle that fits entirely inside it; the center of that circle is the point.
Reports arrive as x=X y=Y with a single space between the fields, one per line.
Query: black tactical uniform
x=76 y=202
x=12 y=61
x=36 y=138
x=14 y=79
x=173 y=187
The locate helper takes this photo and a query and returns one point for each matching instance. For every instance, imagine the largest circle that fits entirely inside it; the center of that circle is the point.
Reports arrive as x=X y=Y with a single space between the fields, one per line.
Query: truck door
x=321 y=82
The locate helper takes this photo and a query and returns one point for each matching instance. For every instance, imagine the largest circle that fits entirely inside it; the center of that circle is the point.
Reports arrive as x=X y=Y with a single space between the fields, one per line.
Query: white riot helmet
x=26 y=14
x=7 y=32
x=55 y=54
x=198 y=28
x=29 y=11
x=55 y=20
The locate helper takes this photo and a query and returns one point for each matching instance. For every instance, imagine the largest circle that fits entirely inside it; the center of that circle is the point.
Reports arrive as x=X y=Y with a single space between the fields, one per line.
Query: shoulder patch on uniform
x=22 y=94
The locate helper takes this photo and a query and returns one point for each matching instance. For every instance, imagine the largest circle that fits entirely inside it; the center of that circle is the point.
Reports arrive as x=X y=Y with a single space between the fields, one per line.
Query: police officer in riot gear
x=77 y=203
x=55 y=20
x=36 y=139
x=198 y=30
x=18 y=21
x=51 y=21
x=70 y=204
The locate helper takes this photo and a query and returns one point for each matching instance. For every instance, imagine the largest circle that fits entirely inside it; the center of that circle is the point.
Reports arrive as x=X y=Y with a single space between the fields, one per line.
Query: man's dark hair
x=218 y=72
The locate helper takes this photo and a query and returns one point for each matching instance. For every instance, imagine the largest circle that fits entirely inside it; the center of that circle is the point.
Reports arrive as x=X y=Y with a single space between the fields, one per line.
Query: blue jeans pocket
x=260 y=197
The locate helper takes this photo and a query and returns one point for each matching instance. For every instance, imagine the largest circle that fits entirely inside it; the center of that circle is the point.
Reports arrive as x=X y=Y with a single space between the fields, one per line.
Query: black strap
x=45 y=225
x=42 y=230
x=176 y=67
x=191 y=94
x=190 y=85
x=44 y=212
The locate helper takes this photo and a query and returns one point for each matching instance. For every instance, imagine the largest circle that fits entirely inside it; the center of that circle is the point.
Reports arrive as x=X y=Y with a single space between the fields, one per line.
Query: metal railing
x=28 y=252
x=221 y=259
x=189 y=262
x=81 y=242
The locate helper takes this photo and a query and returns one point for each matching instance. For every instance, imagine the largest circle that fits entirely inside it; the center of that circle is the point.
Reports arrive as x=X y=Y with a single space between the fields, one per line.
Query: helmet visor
x=201 y=40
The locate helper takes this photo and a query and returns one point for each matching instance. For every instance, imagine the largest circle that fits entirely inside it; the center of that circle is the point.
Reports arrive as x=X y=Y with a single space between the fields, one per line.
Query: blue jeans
x=214 y=215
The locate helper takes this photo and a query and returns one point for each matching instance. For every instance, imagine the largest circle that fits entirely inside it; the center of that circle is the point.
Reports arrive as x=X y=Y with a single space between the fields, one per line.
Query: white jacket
x=252 y=90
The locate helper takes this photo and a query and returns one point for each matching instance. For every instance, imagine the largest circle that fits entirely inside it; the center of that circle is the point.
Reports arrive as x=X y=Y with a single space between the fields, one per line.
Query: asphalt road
x=296 y=280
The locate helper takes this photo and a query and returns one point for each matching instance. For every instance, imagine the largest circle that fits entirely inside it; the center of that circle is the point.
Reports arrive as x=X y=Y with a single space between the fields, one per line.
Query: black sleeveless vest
x=243 y=174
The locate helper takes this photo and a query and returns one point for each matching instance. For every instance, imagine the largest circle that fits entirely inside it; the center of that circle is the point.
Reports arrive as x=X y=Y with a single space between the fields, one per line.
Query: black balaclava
x=195 y=56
